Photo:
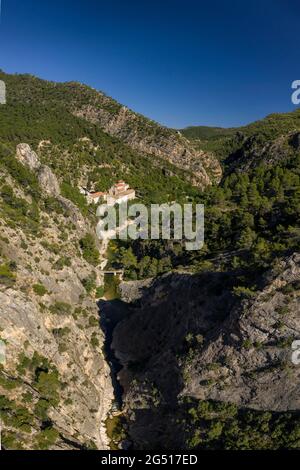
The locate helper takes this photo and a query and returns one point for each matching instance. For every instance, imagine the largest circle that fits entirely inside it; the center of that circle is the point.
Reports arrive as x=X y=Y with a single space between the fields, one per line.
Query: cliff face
x=253 y=151
x=192 y=337
x=64 y=101
x=252 y=349
x=148 y=137
x=55 y=385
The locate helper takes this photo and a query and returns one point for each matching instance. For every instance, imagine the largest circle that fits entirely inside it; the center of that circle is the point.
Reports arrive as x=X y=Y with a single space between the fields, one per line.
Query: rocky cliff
x=254 y=150
x=55 y=385
x=194 y=337
x=149 y=137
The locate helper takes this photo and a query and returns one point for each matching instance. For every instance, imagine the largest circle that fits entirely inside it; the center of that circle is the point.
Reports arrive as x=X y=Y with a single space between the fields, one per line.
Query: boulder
x=48 y=181
x=27 y=157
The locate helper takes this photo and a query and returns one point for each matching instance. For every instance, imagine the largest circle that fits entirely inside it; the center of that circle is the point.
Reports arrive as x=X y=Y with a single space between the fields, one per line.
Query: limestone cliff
x=55 y=385
x=193 y=336
x=149 y=137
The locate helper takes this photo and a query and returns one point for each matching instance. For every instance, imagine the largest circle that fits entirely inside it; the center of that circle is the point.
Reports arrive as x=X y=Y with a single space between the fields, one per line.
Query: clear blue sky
x=180 y=62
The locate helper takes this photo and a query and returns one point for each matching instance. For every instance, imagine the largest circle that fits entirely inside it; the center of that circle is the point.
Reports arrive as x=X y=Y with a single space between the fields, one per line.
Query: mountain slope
x=200 y=346
x=62 y=101
x=55 y=386
x=210 y=371
x=207 y=358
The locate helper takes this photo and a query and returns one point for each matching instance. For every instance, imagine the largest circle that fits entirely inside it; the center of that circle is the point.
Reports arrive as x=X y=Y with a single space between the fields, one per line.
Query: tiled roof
x=97 y=194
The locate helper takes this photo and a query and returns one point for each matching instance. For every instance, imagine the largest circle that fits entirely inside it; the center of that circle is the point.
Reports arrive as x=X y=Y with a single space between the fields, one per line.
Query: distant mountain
x=222 y=142
x=206 y=132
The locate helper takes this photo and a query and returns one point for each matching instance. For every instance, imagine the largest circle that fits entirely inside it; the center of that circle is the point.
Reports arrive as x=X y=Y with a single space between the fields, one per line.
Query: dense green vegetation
x=39 y=289
x=89 y=249
x=224 y=141
x=111 y=287
x=38 y=110
x=206 y=132
x=16 y=210
x=7 y=276
x=252 y=218
x=216 y=425
x=23 y=417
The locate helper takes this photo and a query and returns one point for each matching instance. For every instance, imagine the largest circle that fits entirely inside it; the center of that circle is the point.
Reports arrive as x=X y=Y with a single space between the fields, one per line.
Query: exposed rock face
x=171 y=308
x=253 y=349
x=253 y=151
x=47 y=310
x=131 y=291
x=81 y=409
x=48 y=181
x=191 y=336
x=27 y=156
x=72 y=211
x=151 y=138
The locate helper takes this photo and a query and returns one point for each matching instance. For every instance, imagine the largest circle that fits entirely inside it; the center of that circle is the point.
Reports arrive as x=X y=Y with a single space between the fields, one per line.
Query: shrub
x=7 y=277
x=61 y=262
x=89 y=249
x=46 y=438
x=244 y=292
x=94 y=340
x=100 y=291
x=39 y=289
x=60 y=308
x=93 y=321
x=72 y=193
x=89 y=283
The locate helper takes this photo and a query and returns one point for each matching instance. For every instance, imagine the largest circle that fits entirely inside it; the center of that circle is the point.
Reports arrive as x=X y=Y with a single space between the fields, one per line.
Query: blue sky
x=181 y=63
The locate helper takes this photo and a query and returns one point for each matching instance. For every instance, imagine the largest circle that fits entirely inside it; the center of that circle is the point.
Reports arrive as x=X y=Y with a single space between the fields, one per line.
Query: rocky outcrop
x=162 y=316
x=48 y=312
x=86 y=396
x=27 y=157
x=191 y=336
x=253 y=349
x=48 y=181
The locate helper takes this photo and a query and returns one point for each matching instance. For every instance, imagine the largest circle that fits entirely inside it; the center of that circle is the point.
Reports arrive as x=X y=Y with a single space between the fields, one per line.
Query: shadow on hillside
x=111 y=312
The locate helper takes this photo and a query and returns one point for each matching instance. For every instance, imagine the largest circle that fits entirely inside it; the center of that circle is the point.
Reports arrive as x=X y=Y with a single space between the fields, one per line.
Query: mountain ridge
x=240 y=293
x=133 y=129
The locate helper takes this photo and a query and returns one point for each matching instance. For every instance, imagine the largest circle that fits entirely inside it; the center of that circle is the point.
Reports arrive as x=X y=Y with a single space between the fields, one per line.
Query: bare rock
x=48 y=181
x=151 y=138
x=240 y=350
x=27 y=157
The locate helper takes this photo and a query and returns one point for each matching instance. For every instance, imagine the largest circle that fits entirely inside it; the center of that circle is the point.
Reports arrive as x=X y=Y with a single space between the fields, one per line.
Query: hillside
x=206 y=132
x=55 y=384
x=223 y=142
x=45 y=110
x=206 y=351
